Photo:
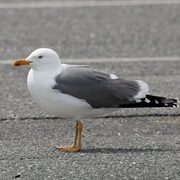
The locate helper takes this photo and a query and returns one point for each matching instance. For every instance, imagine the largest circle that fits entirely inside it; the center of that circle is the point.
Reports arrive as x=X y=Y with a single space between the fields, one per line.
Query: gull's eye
x=40 y=57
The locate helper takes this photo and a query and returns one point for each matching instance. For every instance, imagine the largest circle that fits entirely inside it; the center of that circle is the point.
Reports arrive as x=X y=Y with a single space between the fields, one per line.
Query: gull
x=79 y=91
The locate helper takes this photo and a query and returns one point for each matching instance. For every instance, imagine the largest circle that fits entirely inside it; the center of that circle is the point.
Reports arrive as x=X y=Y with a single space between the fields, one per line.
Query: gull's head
x=40 y=59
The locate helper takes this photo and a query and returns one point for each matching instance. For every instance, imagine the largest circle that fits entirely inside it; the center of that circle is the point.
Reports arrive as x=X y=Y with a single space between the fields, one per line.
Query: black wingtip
x=153 y=101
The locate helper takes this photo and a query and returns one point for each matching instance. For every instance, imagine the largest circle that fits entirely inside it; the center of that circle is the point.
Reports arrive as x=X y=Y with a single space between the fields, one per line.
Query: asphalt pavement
x=133 y=42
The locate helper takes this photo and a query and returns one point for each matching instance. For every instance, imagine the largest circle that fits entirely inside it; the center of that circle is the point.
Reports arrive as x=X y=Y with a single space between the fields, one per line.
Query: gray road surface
x=129 y=144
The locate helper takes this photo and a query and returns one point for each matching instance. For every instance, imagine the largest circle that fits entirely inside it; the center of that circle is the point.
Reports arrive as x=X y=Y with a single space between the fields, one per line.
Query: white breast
x=53 y=101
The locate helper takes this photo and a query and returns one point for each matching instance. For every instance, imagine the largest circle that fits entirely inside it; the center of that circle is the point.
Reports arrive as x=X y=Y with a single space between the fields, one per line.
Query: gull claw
x=71 y=148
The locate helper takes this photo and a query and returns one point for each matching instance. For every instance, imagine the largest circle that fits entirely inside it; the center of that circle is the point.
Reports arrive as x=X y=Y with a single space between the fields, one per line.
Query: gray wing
x=96 y=87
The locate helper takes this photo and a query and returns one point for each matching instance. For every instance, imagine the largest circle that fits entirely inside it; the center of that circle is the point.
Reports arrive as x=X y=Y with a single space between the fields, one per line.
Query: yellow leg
x=76 y=133
x=76 y=146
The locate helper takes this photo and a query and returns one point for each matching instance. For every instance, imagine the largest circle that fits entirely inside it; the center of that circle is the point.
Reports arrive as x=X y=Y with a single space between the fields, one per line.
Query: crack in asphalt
x=104 y=117
x=107 y=151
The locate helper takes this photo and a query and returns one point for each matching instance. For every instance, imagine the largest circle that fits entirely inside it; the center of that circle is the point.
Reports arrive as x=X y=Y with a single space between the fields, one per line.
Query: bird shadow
x=126 y=150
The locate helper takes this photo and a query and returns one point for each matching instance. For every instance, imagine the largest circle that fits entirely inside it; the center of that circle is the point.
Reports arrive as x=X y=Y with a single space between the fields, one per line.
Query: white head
x=42 y=59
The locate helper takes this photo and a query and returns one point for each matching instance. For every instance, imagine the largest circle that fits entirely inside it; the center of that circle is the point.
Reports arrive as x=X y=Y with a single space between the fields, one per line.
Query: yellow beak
x=21 y=62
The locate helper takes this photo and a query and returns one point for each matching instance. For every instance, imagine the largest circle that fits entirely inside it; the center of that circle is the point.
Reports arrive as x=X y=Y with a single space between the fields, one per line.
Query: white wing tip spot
x=147 y=100
x=175 y=106
x=113 y=76
x=138 y=100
